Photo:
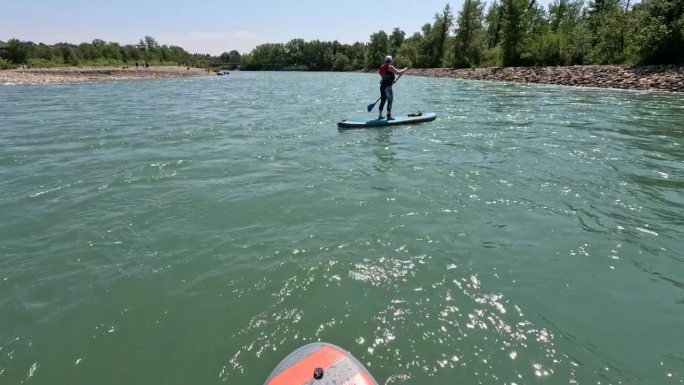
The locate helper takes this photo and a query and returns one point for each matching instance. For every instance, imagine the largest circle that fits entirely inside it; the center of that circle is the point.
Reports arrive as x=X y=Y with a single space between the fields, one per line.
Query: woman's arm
x=396 y=71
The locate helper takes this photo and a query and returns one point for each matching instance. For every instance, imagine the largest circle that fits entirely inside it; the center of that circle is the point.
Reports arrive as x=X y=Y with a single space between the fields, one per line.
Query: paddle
x=372 y=105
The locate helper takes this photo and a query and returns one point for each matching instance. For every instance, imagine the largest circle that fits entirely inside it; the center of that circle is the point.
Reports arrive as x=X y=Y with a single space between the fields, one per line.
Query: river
x=195 y=231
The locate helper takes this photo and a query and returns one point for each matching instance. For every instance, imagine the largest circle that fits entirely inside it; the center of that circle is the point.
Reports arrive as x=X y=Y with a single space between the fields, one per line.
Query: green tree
x=150 y=43
x=439 y=36
x=341 y=62
x=469 y=39
x=600 y=6
x=165 y=54
x=543 y=49
x=71 y=56
x=295 y=53
x=269 y=56
x=565 y=17
x=356 y=54
x=43 y=52
x=493 y=22
x=578 y=45
x=410 y=54
x=426 y=46
x=112 y=51
x=514 y=29
x=17 y=51
x=318 y=56
x=130 y=53
x=149 y=49
x=377 y=49
x=230 y=60
x=396 y=39
x=606 y=22
x=178 y=54
x=247 y=62
x=657 y=31
x=4 y=64
x=541 y=45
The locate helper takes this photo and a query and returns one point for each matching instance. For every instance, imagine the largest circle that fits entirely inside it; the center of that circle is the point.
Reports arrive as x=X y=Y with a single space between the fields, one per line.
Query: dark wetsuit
x=386 y=94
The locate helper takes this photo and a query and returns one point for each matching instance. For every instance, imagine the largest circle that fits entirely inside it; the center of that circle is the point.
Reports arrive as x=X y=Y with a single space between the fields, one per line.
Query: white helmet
x=388 y=58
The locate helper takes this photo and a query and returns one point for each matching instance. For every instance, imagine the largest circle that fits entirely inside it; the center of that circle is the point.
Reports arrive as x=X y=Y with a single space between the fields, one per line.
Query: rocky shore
x=93 y=74
x=659 y=77
x=662 y=77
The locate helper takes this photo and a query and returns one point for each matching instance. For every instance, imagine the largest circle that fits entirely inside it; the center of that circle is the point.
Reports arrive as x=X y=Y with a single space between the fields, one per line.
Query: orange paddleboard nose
x=320 y=363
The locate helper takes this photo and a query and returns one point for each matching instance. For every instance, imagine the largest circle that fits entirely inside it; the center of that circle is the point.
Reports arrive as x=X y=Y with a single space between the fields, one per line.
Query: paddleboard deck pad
x=417 y=117
x=320 y=363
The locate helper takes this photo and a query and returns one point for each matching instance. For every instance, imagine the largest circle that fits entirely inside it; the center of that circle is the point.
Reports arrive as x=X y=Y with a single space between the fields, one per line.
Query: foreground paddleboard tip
x=320 y=363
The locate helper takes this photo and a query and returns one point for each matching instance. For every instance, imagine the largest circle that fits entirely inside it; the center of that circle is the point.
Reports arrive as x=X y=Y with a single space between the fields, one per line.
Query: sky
x=213 y=26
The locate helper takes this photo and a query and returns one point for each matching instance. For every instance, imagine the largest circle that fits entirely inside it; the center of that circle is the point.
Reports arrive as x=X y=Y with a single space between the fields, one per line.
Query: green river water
x=195 y=231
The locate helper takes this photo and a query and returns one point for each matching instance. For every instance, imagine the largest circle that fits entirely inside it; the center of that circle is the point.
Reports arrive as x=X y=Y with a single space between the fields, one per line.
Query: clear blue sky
x=212 y=26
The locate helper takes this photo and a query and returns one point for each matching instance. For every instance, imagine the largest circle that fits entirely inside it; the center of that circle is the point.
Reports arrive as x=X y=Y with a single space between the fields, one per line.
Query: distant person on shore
x=147 y=65
x=388 y=75
x=136 y=65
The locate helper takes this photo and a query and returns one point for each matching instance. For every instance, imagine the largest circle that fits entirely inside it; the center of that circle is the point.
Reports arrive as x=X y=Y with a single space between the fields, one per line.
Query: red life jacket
x=386 y=74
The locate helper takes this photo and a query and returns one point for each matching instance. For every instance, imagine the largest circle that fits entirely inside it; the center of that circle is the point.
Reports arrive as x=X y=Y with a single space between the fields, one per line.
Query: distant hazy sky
x=213 y=26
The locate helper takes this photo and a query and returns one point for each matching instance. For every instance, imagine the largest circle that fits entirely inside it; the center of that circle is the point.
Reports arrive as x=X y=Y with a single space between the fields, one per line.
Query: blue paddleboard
x=417 y=117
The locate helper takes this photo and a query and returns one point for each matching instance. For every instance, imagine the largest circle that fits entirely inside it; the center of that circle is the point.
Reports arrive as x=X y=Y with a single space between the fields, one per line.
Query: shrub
x=5 y=65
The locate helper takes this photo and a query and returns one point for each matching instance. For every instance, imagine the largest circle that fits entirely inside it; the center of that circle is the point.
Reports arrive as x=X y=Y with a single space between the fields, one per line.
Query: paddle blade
x=370 y=106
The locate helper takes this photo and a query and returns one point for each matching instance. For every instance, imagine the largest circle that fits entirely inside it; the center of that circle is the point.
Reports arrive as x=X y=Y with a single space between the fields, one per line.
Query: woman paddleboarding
x=388 y=74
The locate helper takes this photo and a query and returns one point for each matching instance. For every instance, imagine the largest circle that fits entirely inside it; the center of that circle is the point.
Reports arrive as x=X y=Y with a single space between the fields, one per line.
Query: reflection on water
x=472 y=332
x=383 y=150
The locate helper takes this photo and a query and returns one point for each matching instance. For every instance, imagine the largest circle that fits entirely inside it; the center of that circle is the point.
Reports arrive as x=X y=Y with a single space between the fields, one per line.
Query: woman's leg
x=383 y=99
x=389 y=94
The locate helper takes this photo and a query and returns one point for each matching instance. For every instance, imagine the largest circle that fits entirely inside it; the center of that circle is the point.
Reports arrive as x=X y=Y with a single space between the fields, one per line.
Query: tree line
x=505 y=33
x=98 y=53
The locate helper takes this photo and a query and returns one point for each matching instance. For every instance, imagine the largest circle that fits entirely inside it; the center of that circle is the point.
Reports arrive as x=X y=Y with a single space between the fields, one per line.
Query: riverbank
x=658 y=77
x=661 y=77
x=93 y=74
